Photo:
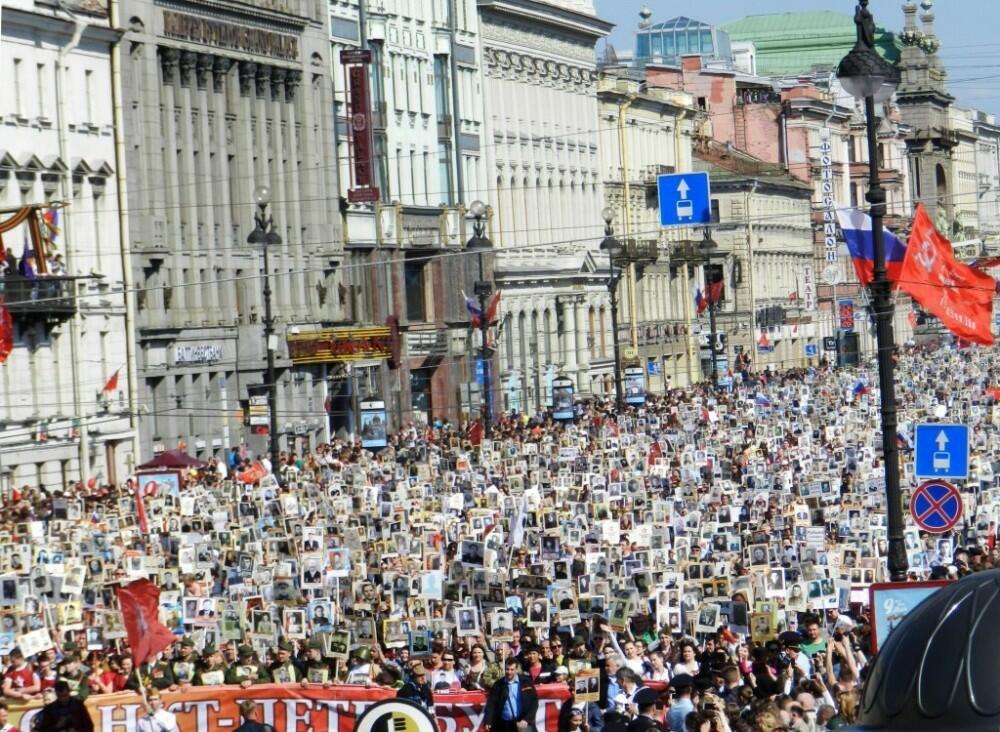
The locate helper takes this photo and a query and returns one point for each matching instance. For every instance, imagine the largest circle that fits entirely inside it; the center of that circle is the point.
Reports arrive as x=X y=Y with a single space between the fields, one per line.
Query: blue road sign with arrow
x=941 y=451
x=685 y=199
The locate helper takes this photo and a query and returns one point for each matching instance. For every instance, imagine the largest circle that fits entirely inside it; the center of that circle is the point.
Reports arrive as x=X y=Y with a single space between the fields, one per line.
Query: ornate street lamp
x=264 y=236
x=870 y=78
x=481 y=244
x=614 y=249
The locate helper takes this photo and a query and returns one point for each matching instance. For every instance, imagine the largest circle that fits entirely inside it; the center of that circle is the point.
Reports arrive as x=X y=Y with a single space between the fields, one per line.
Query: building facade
x=63 y=417
x=404 y=248
x=647 y=132
x=218 y=99
x=541 y=136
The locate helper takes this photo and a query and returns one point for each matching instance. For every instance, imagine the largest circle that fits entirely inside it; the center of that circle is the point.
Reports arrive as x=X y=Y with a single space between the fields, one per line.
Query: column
x=206 y=189
x=582 y=347
x=569 y=349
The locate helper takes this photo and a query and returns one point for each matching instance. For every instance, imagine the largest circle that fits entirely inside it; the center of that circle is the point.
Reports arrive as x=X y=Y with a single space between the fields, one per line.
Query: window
x=414 y=276
x=444 y=173
x=441 y=85
x=88 y=90
x=642 y=45
x=657 y=44
x=40 y=69
x=18 y=83
x=715 y=210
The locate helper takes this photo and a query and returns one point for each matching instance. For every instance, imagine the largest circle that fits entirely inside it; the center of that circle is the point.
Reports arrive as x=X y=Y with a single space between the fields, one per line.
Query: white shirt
x=161 y=721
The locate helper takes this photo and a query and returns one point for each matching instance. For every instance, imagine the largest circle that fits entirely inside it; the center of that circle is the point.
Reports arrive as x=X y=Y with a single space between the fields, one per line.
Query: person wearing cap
x=683 y=704
x=213 y=670
x=792 y=643
x=246 y=671
x=645 y=702
x=417 y=688
x=71 y=672
x=185 y=665
x=159 y=673
x=316 y=670
x=156 y=718
x=512 y=703
x=284 y=670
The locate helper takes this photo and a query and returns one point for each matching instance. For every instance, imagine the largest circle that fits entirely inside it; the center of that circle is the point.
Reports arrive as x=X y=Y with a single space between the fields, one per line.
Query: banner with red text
x=291 y=708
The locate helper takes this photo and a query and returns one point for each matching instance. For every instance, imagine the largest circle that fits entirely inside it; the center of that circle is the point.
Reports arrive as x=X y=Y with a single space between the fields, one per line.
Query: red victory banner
x=291 y=708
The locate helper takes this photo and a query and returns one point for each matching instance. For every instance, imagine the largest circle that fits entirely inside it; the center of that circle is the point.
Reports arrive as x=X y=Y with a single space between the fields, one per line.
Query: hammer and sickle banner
x=958 y=295
x=291 y=708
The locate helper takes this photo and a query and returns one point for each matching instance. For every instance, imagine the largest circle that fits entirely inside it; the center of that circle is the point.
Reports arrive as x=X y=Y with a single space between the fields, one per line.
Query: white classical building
x=646 y=133
x=541 y=140
x=57 y=148
x=427 y=135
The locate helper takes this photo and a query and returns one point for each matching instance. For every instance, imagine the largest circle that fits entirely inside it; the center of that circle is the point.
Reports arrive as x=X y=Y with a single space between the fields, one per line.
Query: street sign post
x=811 y=350
x=829 y=343
x=936 y=506
x=685 y=199
x=941 y=451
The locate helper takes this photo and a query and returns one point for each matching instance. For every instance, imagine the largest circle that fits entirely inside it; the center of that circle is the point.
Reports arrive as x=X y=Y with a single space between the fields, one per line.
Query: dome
x=938 y=669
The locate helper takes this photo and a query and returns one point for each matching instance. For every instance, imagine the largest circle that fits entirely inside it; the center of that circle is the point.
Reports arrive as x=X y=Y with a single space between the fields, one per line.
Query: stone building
x=220 y=98
x=426 y=104
x=58 y=165
x=544 y=183
x=647 y=132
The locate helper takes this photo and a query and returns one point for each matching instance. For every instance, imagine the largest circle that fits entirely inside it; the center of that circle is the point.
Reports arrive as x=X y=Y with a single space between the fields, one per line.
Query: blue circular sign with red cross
x=936 y=506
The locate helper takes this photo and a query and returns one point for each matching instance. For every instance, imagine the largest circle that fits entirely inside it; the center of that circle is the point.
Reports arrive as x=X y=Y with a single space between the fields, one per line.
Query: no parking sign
x=936 y=506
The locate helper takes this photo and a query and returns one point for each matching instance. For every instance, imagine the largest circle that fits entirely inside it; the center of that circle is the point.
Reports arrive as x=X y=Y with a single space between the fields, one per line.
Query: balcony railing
x=49 y=297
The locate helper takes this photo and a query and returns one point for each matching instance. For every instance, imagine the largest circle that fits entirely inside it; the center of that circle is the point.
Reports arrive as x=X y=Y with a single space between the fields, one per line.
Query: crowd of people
x=699 y=563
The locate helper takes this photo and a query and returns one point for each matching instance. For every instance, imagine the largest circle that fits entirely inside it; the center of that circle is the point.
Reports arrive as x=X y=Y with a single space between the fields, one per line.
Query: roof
x=792 y=43
x=681 y=22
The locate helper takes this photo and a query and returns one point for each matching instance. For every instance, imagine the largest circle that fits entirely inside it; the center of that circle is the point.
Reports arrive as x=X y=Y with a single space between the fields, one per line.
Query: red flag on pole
x=147 y=636
x=956 y=294
x=112 y=383
x=6 y=332
x=475 y=433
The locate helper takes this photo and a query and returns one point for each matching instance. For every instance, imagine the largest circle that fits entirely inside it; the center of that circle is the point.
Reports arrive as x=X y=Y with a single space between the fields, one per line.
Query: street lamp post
x=483 y=288
x=613 y=248
x=708 y=248
x=264 y=235
x=867 y=76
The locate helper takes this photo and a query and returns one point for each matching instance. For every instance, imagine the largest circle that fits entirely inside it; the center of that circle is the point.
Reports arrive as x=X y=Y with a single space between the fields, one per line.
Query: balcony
x=42 y=298
x=642 y=252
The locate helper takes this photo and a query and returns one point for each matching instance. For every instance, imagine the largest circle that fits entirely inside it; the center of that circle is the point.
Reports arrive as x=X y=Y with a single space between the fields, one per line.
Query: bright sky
x=966 y=28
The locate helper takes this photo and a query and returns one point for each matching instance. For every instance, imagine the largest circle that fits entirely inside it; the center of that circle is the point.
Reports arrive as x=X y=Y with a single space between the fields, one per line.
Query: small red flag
x=655 y=451
x=252 y=474
x=147 y=636
x=716 y=292
x=6 y=332
x=476 y=433
x=112 y=383
x=958 y=295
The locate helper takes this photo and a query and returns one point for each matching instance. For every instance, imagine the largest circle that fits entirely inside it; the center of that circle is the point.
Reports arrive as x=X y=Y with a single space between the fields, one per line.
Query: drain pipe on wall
x=76 y=323
x=123 y=237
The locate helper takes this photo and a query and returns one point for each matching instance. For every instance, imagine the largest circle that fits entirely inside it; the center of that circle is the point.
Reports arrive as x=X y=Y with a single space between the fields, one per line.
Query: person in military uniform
x=71 y=672
x=185 y=665
x=284 y=670
x=159 y=674
x=317 y=670
x=645 y=699
x=246 y=671
x=213 y=670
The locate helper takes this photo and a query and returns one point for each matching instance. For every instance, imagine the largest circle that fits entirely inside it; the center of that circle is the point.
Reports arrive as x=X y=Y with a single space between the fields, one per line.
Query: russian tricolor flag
x=857 y=228
x=700 y=302
x=762 y=400
x=860 y=388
